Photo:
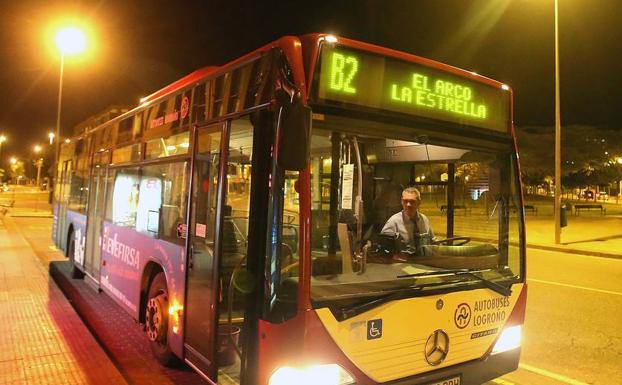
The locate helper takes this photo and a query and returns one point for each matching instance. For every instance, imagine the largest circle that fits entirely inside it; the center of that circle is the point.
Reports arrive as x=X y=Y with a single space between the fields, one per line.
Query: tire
x=71 y=247
x=156 y=320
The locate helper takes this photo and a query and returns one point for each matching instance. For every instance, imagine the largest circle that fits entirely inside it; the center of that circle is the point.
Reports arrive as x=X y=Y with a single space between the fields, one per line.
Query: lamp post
x=558 y=187
x=38 y=163
x=2 y=140
x=69 y=41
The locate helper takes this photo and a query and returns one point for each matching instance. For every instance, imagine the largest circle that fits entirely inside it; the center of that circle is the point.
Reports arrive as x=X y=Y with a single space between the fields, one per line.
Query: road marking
x=552 y=375
x=502 y=382
x=575 y=286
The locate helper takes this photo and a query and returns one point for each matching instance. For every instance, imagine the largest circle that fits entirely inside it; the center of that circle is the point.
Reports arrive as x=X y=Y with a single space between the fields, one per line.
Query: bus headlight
x=510 y=339
x=330 y=374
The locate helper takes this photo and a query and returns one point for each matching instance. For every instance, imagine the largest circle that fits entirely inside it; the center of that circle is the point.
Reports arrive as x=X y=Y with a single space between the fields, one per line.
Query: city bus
x=239 y=214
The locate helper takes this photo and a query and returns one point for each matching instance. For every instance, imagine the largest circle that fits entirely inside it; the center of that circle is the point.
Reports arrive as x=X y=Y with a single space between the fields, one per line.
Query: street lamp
x=69 y=41
x=51 y=136
x=558 y=160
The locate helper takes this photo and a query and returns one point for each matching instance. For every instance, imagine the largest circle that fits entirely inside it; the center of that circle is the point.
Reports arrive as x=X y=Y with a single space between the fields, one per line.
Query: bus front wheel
x=156 y=320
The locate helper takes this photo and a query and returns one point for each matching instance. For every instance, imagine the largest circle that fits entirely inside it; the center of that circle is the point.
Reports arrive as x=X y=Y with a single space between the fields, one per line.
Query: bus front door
x=202 y=289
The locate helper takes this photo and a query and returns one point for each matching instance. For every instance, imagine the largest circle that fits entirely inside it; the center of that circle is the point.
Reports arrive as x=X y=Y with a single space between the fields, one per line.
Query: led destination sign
x=370 y=80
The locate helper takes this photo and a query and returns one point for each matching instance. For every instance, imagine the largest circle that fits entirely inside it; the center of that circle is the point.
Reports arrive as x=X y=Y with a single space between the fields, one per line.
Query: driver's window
x=452 y=189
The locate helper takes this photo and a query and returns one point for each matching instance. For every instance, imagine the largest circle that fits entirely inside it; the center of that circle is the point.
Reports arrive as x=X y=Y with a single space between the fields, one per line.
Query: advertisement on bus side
x=125 y=253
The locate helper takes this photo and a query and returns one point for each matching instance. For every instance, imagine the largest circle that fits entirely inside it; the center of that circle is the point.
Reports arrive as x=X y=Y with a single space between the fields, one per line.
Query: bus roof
x=310 y=43
x=302 y=52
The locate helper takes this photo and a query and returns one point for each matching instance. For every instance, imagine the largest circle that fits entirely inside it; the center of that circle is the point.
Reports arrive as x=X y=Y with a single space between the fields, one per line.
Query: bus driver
x=409 y=225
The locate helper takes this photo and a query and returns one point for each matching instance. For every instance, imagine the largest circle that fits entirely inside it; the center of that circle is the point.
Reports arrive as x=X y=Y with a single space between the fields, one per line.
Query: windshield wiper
x=494 y=286
x=414 y=289
x=409 y=291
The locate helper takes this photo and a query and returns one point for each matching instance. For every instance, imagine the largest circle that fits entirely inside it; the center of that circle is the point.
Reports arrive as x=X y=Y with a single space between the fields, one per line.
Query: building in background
x=101 y=117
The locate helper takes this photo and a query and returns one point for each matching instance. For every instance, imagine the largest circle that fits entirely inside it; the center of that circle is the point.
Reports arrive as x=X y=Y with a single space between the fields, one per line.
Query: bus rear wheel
x=156 y=320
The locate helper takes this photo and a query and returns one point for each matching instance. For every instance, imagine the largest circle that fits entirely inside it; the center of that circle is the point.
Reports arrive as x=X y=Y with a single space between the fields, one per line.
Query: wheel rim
x=156 y=318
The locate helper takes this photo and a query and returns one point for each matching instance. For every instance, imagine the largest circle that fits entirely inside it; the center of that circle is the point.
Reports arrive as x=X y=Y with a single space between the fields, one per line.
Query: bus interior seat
x=229 y=237
x=232 y=246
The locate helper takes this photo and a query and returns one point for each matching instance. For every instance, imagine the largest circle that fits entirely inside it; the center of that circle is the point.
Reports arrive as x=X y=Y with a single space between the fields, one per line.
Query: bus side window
x=125 y=197
x=161 y=206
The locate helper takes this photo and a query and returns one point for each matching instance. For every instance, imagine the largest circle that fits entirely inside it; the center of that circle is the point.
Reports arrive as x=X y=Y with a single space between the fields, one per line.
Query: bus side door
x=202 y=290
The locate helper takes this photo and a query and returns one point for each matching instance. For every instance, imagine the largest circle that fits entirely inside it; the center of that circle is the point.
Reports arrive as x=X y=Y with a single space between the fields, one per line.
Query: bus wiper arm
x=412 y=290
x=494 y=286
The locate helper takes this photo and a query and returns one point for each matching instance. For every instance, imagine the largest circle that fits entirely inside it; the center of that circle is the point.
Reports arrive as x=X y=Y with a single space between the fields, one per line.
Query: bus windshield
x=388 y=211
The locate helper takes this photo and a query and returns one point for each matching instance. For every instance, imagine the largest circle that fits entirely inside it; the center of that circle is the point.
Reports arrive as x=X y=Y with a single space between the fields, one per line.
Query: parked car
x=586 y=194
x=603 y=196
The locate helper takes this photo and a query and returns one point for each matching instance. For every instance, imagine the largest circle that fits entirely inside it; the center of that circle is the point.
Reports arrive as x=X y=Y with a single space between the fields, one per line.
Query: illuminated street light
x=13 y=160
x=51 y=136
x=69 y=41
x=37 y=149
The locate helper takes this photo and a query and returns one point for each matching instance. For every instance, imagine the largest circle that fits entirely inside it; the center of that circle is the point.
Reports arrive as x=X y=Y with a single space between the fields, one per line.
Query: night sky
x=144 y=45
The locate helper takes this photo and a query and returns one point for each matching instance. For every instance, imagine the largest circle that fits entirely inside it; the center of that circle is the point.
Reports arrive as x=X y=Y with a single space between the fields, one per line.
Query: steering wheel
x=447 y=241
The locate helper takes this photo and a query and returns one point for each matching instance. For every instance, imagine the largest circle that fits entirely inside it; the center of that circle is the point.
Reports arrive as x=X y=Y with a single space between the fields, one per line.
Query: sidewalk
x=28 y=208
x=589 y=234
x=42 y=339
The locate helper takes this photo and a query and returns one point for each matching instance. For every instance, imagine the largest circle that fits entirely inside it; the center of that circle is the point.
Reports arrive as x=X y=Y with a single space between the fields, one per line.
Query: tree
x=588 y=155
x=17 y=170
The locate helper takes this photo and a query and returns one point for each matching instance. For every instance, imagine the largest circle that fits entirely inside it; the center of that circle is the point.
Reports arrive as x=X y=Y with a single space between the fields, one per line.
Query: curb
x=574 y=251
x=31 y=215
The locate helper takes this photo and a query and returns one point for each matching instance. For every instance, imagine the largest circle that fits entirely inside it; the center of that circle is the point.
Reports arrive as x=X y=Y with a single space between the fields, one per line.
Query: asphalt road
x=573 y=330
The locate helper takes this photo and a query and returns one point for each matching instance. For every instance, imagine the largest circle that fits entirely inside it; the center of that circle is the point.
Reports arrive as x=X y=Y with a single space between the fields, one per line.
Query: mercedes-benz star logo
x=436 y=347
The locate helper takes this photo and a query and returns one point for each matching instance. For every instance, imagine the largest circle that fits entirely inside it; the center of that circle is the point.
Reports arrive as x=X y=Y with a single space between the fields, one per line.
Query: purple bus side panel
x=125 y=253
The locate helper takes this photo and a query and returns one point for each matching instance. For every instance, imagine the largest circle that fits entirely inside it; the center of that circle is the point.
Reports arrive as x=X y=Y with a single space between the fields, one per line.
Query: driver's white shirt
x=401 y=224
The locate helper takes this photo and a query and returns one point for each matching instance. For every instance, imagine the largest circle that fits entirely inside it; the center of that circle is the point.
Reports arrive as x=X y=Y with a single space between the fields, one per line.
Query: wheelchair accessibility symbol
x=374 y=329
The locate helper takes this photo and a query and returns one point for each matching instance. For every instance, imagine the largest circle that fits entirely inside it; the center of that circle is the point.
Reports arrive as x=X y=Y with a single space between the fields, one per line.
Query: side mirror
x=294 y=130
